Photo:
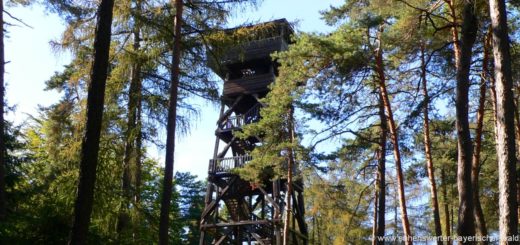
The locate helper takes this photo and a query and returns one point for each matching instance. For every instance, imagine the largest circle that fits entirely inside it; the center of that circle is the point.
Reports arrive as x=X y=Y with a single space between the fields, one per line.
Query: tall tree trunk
x=395 y=140
x=480 y=222
x=170 y=127
x=130 y=160
x=452 y=219
x=517 y=120
x=90 y=143
x=506 y=149
x=138 y=146
x=138 y=162
x=454 y=31
x=466 y=221
x=381 y=172
x=493 y=95
x=136 y=76
x=447 y=224
x=517 y=127
x=290 y=165
x=3 y=198
x=428 y=146
x=318 y=228
x=396 y=204
x=374 y=219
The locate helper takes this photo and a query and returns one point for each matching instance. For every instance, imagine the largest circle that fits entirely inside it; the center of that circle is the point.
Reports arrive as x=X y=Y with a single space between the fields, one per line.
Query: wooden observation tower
x=237 y=212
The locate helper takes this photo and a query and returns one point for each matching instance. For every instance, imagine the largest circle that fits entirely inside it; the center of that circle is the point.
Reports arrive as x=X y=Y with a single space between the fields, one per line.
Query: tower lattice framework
x=236 y=211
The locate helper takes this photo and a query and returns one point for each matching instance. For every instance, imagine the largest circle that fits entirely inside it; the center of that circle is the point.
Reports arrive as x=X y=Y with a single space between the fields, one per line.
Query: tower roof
x=246 y=43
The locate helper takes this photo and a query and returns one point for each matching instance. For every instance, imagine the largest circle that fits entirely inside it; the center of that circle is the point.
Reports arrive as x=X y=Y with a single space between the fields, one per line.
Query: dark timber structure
x=236 y=211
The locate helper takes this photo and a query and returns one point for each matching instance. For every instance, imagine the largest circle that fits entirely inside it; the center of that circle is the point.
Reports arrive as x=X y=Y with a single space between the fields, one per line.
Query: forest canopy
x=400 y=124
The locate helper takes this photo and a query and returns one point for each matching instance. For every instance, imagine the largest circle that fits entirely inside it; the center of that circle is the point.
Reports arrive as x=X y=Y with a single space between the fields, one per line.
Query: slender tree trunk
x=90 y=143
x=381 y=172
x=137 y=80
x=452 y=212
x=427 y=148
x=374 y=219
x=138 y=147
x=454 y=31
x=170 y=127
x=466 y=221
x=395 y=141
x=506 y=149
x=493 y=95
x=3 y=198
x=480 y=222
x=318 y=228
x=396 y=204
x=446 y=205
x=314 y=227
x=136 y=76
x=138 y=162
x=517 y=116
x=139 y=133
x=517 y=127
x=130 y=157
x=290 y=165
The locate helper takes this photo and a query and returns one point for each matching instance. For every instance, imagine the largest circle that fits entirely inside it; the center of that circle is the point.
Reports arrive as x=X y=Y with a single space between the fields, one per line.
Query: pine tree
x=381 y=168
x=428 y=146
x=466 y=219
x=506 y=152
x=480 y=222
x=90 y=144
x=171 y=125
x=380 y=70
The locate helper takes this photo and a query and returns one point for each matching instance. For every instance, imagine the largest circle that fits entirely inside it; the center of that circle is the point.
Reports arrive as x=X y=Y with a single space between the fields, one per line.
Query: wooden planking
x=248 y=85
x=253 y=50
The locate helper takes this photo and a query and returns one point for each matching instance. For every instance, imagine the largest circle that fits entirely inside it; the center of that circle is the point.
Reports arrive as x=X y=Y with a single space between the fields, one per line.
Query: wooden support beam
x=257 y=201
x=257 y=238
x=255 y=235
x=240 y=223
x=230 y=110
x=222 y=239
x=226 y=148
x=212 y=205
x=298 y=187
x=301 y=216
x=217 y=139
x=269 y=199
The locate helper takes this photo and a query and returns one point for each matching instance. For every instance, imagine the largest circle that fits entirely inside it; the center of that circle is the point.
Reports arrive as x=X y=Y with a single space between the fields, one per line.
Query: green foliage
x=46 y=179
x=191 y=203
x=271 y=157
x=325 y=81
x=347 y=186
x=330 y=78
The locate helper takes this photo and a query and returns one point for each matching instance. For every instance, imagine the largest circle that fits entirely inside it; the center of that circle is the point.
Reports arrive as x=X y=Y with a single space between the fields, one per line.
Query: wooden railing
x=225 y=165
x=252 y=115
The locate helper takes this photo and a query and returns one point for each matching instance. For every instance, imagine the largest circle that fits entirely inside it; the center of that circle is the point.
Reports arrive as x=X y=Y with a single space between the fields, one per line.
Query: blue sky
x=32 y=62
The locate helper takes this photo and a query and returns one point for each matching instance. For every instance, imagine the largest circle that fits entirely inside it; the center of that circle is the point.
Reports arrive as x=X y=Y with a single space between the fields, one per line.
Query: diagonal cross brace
x=214 y=203
x=269 y=199
x=230 y=110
